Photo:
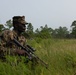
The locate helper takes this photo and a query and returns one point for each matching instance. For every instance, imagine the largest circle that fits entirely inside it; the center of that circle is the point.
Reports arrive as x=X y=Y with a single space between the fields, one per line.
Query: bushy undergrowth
x=59 y=54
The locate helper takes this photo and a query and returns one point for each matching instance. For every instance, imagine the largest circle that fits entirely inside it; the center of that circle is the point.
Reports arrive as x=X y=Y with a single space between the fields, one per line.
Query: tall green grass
x=59 y=54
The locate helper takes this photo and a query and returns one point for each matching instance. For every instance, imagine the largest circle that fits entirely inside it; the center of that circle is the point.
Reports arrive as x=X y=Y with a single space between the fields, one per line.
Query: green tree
x=44 y=32
x=61 y=32
x=9 y=24
x=1 y=27
x=37 y=30
x=30 y=30
x=73 y=28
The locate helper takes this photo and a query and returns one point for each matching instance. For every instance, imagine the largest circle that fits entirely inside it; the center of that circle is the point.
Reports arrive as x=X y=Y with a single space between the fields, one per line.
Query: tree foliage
x=44 y=32
x=30 y=30
x=61 y=32
x=9 y=24
x=1 y=27
x=73 y=28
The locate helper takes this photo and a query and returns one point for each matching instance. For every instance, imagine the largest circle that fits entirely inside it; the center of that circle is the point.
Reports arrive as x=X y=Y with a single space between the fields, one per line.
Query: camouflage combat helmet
x=19 y=19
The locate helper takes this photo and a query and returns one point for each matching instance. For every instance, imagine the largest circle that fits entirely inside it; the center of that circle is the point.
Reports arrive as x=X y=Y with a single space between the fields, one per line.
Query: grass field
x=59 y=54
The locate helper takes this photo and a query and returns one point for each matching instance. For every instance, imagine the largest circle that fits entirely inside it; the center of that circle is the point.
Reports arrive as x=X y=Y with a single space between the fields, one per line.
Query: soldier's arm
x=5 y=37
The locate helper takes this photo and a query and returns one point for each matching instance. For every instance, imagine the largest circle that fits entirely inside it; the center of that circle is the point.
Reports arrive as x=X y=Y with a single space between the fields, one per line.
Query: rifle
x=30 y=52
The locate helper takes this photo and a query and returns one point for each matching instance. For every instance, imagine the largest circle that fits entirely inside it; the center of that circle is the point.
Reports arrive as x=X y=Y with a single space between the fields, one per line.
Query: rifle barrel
x=18 y=44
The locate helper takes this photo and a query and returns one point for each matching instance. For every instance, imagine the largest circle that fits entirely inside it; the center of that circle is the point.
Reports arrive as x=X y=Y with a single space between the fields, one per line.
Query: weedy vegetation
x=59 y=54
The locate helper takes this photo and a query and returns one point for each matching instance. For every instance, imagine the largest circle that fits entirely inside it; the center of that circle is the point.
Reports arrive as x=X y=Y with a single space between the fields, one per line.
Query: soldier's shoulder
x=6 y=32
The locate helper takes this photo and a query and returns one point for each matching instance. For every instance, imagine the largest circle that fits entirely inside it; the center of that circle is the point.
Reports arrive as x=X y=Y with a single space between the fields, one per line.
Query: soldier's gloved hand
x=20 y=52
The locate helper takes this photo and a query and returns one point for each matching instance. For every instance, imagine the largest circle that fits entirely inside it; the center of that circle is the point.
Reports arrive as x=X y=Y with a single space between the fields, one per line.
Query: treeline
x=44 y=31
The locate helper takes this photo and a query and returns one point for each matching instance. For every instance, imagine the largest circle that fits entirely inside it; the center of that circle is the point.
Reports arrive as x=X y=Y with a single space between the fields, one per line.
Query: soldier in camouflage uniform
x=7 y=46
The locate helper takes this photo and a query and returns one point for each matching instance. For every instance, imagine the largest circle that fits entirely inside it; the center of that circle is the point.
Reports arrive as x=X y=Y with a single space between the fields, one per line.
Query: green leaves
x=73 y=29
x=9 y=24
x=1 y=27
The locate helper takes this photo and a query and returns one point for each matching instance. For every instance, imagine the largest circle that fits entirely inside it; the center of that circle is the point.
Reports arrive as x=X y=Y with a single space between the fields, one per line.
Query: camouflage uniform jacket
x=7 y=46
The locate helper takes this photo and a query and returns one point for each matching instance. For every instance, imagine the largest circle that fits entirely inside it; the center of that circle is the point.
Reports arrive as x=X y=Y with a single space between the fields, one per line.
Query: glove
x=20 y=52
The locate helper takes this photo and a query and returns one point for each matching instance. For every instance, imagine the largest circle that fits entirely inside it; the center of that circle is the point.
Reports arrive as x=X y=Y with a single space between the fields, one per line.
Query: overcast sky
x=54 y=13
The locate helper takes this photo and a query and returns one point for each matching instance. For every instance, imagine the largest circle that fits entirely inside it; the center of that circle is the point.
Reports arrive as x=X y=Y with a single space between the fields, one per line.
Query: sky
x=54 y=13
